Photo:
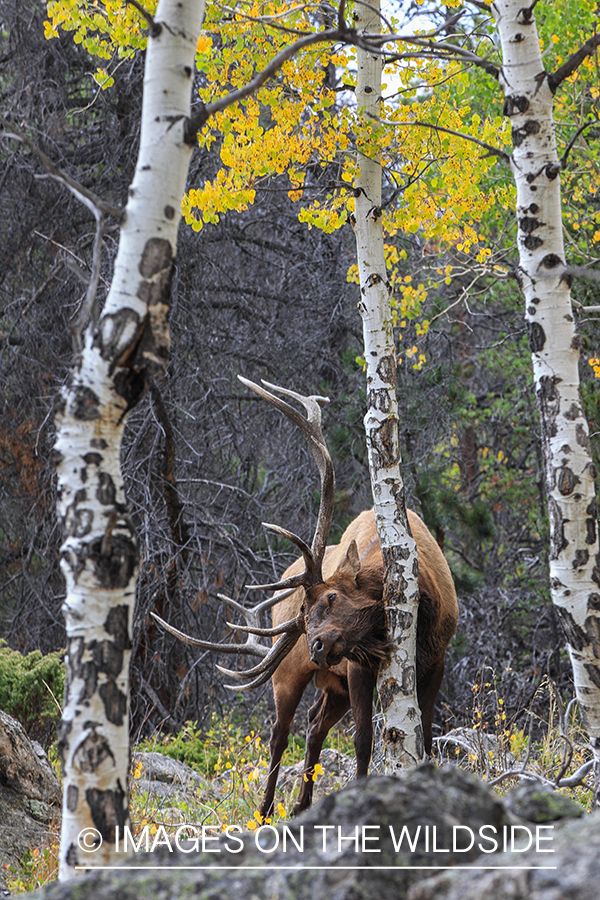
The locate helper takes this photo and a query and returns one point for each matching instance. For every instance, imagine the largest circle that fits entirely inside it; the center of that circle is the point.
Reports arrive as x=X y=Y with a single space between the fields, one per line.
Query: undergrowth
x=232 y=763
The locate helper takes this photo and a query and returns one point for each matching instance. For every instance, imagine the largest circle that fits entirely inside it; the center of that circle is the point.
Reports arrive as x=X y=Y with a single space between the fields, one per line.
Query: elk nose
x=318 y=652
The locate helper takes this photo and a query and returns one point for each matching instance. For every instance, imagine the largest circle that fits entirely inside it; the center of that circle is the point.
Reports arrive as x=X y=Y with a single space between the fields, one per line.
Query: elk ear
x=350 y=565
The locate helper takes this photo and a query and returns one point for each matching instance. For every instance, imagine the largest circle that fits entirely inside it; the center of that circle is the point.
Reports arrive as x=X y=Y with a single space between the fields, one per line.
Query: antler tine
x=294 y=630
x=283 y=646
x=266 y=632
x=252 y=648
x=311 y=429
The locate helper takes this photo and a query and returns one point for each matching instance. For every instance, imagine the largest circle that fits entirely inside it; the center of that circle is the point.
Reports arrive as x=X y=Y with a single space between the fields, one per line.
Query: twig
x=580 y=130
x=89 y=307
x=83 y=194
x=573 y=62
x=155 y=27
x=494 y=151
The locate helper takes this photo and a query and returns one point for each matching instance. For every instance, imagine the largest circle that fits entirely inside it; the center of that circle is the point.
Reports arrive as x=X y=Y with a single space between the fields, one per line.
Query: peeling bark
x=569 y=470
x=403 y=733
x=99 y=553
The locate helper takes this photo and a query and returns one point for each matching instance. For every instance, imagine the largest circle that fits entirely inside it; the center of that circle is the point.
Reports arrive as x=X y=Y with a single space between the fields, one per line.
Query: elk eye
x=330 y=598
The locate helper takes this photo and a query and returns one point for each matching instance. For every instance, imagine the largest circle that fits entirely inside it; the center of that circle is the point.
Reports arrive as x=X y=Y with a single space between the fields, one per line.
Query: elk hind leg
x=427 y=692
x=322 y=716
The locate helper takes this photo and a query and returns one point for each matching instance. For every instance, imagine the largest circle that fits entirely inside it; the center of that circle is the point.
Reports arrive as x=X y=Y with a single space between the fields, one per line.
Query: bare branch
x=94 y=203
x=88 y=307
x=155 y=27
x=573 y=62
x=494 y=151
x=205 y=111
x=571 y=143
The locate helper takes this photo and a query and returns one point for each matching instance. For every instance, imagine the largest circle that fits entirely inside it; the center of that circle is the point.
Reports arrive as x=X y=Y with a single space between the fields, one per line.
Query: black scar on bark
x=78 y=522
x=532 y=242
x=92 y=751
x=87 y=671
x=130 y=385
x=551 y=261
x=92 y=458
x=108 y=809
x=590 y=522
x=382 y=441
x=71 y=857
x=537 y=336
x=106 y=493
x=581 y=559
x=379 y=400
x=558 y=541
x=387 y=693
x=566 y=480
x=529 y=224
x=573 y=412
x=574 y=635
x=593 y=674
x=386 y=369
x=515 y=104
x=117 y=334
x=115 y=702
x=72 y=797
x=592 y=629
x=64 y=730
x=549 y=403
x=156 y=256
x=84 y=404
x=114 y=560
x=594 y=601
x=520 y=134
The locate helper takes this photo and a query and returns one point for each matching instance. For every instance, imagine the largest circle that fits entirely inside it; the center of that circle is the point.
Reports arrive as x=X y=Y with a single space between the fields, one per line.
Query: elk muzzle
x=327 y=648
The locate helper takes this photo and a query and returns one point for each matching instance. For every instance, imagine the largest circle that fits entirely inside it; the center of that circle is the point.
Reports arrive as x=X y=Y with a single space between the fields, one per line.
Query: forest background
x=259 y=292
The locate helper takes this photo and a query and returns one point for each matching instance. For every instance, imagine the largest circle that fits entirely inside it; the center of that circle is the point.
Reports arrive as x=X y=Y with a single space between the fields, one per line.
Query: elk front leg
x=322 y=716
x=286 y=703
x=361 y=683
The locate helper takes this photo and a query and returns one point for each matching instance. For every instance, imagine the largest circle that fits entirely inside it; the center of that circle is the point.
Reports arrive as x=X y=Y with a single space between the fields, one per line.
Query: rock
x=338 y=770
x=30 y=795
x=539 y=803
x=164 y=778
x=575 y=874
x=368 y=816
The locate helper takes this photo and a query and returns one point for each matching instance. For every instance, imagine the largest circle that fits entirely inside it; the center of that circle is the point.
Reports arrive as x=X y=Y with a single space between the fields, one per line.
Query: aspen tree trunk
x=100 y=552
x=569 y=470
x=403 y=733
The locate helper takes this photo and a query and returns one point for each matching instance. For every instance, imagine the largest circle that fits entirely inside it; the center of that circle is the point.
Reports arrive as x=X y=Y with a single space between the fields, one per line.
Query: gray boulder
x=163 y=778
x=352 y=847
x=30 y=795
x=575 y=872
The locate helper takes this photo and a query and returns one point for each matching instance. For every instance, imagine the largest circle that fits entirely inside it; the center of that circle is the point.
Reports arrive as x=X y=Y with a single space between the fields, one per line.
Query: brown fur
x=345 y=614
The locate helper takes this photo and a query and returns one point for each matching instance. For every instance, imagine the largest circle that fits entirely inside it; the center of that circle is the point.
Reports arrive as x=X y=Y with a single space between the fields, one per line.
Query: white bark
x=99 y=553
x=403 y=733
x=570 y=475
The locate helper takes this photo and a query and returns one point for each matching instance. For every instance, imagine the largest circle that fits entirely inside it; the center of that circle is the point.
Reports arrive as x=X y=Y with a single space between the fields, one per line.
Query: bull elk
x=333 y=595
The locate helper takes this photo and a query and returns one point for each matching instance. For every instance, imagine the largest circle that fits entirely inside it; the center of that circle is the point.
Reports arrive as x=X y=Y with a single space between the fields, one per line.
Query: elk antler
x=311 y=429
x=313 y=555
x=252 y=616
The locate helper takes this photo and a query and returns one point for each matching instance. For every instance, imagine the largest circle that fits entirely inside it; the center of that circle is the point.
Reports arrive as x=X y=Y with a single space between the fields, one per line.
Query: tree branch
x=94 y=203
x=155 y=27
x=205 y=111
x=579 y=131
x=494 y=151
x=573 y=63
